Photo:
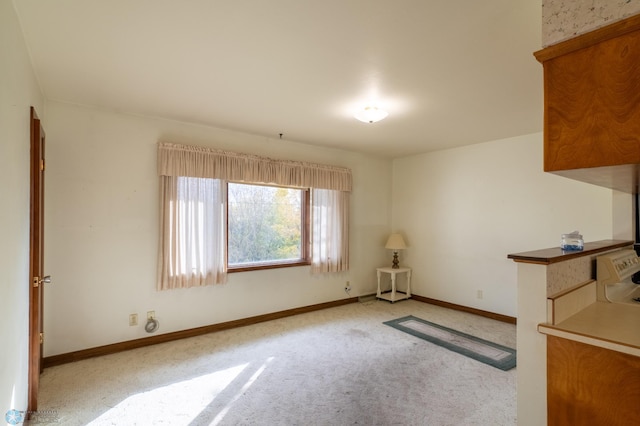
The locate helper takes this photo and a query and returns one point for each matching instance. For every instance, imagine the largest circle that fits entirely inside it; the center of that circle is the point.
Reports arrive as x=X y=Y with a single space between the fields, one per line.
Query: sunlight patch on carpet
x=479 y=349
x=175 y=403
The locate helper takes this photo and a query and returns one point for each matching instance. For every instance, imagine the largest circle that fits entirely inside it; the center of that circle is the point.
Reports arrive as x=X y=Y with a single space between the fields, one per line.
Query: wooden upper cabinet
x=592 y=106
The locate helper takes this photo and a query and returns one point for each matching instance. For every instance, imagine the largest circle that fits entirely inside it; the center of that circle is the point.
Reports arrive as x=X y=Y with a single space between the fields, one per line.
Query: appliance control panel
x=617 y=267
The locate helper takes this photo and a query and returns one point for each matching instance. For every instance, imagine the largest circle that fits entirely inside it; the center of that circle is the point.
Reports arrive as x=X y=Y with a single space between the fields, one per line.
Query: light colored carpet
x=338 y=366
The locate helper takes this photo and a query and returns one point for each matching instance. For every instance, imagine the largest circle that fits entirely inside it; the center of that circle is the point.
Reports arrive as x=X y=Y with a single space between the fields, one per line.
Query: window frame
x=305 y=235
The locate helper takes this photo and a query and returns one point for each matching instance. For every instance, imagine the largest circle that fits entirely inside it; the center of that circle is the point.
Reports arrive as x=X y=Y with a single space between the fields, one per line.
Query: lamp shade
x=395 y=242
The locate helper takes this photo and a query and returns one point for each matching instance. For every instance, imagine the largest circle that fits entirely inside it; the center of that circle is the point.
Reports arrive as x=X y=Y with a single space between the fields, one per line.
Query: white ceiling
x=450 y=73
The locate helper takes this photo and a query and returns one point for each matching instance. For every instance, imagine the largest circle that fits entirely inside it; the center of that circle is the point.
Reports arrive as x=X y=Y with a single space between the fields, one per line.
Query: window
x=209 y=226
x=267 y=226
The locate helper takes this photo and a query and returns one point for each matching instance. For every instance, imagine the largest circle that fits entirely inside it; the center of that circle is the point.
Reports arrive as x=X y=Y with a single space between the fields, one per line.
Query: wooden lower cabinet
x=588 y=385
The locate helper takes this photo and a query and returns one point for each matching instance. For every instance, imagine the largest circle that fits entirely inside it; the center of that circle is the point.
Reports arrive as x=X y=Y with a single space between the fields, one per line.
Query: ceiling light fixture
x=370 y=114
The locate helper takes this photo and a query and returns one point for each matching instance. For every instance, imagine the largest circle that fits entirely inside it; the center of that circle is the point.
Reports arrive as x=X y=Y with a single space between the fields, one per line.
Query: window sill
x=258 y=266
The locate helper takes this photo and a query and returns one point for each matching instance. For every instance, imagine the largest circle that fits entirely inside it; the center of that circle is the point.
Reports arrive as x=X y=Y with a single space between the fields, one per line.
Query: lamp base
x=396 y=263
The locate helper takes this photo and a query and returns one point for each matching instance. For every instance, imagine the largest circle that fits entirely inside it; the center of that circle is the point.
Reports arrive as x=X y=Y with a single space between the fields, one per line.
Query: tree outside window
x=266 y=225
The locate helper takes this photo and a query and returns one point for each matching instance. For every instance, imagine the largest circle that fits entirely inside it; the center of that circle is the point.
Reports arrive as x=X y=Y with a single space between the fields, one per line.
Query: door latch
x=45 y=280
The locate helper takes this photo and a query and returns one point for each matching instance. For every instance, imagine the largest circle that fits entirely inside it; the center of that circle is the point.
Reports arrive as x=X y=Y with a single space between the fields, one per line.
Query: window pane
x=265 y=224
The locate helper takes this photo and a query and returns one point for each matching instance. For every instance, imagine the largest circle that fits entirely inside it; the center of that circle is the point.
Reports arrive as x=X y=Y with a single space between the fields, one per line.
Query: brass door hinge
x=41 y=338
x=42 y=164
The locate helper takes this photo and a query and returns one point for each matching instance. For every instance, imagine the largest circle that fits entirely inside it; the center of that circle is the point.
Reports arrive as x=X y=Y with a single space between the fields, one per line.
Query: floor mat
x=479 y=349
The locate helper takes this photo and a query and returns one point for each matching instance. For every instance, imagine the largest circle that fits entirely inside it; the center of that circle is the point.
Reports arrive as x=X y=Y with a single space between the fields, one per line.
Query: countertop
x=556 y=254
x=614 y=326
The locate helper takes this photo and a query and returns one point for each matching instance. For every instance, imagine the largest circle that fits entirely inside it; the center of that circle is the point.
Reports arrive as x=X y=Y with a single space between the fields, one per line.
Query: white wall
x=102 y=222
x=18 y=91
x=463 y=210
x=623 y=210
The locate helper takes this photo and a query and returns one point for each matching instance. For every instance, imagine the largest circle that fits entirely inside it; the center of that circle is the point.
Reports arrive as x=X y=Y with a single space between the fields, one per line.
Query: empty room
x=316 y=212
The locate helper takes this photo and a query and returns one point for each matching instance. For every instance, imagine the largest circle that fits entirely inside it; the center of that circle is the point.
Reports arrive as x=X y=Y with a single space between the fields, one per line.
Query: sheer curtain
x=330 y=231
x=192 y=235
x=192 y=249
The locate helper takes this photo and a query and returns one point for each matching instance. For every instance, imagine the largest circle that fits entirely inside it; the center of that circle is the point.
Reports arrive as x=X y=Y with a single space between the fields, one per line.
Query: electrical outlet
x=133 y=319
x=479 y=294
x=347 y=287
x=151 y=314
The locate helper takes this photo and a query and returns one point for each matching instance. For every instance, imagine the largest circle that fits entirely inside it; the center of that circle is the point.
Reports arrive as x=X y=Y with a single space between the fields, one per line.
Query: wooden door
x=36 y=263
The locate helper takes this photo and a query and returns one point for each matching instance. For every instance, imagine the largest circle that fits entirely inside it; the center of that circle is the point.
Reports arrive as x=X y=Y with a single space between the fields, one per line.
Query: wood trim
x=556 y=254
x=36 y=257
x=589 y=39
x=487 y=314
x=256 y=267
x=54 y=360
x=65 y=358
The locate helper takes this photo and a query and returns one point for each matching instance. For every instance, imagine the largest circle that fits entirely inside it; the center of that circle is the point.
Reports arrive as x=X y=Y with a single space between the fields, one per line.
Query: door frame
x=36 y=258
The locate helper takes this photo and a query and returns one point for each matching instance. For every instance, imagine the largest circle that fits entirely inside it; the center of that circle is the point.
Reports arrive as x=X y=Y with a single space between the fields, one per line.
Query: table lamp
x=395 y=243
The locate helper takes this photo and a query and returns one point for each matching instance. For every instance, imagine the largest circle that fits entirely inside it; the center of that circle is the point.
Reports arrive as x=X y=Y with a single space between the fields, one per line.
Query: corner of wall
x=22 y=91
